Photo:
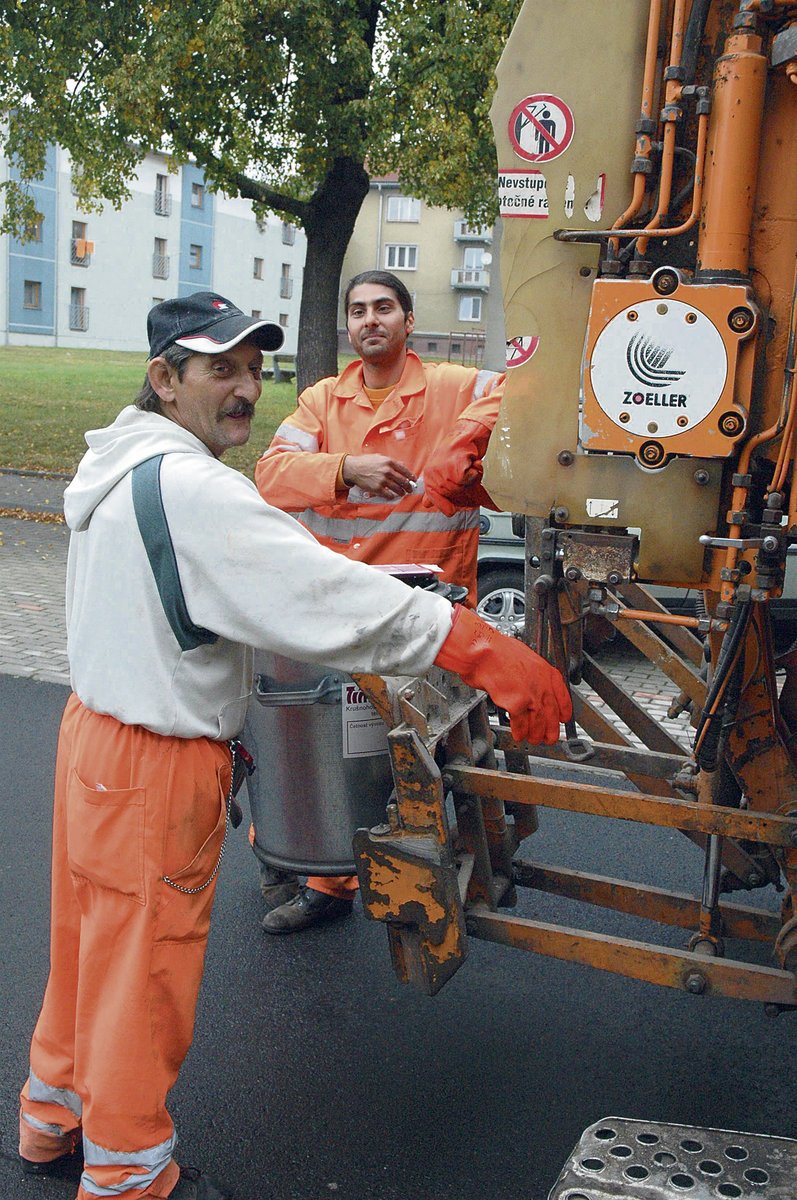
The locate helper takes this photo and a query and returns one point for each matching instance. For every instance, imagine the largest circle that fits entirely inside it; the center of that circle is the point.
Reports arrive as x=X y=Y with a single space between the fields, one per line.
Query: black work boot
x=308 y=907
x=276 y=886
x=196 y=1185
x=67 y=1166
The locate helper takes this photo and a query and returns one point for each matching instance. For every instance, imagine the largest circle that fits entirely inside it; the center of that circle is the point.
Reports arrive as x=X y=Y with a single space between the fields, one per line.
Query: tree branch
x=251 y=189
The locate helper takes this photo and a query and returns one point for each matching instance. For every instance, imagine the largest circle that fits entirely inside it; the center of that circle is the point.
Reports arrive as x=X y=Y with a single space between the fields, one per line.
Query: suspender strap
x=154 y=529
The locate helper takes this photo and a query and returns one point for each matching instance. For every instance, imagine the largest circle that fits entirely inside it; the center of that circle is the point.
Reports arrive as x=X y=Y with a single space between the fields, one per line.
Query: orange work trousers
x=342 y=887
x=127 y=949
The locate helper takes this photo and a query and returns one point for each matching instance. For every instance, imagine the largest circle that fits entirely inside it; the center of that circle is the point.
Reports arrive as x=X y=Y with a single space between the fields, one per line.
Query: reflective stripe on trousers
x=127 y=952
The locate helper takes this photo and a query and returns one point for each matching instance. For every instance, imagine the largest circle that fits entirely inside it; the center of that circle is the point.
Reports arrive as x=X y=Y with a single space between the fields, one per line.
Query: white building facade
x=88 y=280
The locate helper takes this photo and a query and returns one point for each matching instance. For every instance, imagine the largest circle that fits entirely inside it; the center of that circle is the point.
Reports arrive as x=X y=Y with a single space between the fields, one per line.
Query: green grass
x=48 y=398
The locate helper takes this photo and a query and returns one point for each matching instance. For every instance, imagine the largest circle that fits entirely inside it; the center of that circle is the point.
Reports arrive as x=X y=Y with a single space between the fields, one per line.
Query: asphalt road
x=315 y=1074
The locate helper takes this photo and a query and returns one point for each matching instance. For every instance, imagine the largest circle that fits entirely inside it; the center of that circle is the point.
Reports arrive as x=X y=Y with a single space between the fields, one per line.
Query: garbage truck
x=647 y=184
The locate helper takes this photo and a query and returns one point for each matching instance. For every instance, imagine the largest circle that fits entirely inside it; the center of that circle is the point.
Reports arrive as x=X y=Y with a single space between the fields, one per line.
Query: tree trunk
x=334 y=208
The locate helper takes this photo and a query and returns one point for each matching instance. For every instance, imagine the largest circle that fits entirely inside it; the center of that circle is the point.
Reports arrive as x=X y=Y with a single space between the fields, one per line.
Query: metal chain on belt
x=227 y=806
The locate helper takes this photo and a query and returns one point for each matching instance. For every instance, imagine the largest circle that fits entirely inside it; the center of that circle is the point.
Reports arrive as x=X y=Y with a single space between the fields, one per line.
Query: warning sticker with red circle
x=541 y=128
x=520 y=349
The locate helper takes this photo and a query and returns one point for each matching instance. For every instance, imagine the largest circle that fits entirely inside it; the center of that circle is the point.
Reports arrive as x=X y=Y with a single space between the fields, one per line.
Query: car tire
x=501 y=598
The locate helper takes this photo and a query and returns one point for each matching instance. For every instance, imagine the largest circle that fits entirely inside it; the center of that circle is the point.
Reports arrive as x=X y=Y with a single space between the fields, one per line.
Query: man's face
x=377 y=327
x=215 y=400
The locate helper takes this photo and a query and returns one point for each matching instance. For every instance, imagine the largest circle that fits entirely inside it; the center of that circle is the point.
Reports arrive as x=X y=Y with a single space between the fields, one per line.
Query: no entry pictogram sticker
x=541 y=128
x=520 y=349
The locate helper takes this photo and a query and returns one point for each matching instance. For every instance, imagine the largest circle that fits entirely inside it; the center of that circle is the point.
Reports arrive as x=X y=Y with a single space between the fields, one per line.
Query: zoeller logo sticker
x=659 y=378
x=647 y=362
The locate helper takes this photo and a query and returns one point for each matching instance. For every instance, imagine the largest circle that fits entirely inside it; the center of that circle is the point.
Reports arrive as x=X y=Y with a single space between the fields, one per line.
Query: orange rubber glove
x=518 y=680
x=452 y=476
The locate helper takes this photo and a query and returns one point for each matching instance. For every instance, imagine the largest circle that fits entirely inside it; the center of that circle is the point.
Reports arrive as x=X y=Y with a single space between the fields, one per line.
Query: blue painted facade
x=34 y=262
x=196 y=229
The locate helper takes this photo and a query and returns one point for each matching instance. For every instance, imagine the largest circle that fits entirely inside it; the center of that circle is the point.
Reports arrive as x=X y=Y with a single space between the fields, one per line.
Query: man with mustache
x=176 y=568
x=384 y=465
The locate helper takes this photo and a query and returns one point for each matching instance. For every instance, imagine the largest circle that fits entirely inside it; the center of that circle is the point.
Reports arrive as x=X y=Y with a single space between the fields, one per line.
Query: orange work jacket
x=299 y=471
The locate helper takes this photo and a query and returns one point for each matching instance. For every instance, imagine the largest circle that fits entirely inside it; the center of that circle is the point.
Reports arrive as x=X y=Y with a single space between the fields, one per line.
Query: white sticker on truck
x=522 y=194
x=604 y=510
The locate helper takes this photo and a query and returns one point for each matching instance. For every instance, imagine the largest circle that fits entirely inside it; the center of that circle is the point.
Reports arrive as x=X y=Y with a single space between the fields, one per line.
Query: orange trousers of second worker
x=342 y=887
x=127 y=949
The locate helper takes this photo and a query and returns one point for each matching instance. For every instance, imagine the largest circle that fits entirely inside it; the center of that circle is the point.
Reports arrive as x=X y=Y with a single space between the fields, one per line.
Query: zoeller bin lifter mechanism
x=648 y=438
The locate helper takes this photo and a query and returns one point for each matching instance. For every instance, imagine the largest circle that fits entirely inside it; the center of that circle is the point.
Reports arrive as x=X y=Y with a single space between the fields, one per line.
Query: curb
x=35 y=474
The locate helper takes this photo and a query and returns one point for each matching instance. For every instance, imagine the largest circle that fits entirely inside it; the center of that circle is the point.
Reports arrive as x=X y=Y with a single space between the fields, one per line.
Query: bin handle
x=268 y=693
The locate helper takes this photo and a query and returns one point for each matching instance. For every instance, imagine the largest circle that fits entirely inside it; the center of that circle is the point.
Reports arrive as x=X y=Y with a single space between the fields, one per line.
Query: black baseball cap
x=207 y=324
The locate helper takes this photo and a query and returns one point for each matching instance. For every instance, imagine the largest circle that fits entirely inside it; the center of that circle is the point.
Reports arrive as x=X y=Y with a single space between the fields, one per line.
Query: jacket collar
x=350 y=383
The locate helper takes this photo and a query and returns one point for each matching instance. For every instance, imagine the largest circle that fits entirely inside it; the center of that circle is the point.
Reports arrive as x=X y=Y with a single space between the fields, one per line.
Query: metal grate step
x=621 y=1159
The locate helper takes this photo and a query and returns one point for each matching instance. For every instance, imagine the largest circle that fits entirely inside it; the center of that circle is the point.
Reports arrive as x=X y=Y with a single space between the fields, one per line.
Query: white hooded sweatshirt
x=249 y=573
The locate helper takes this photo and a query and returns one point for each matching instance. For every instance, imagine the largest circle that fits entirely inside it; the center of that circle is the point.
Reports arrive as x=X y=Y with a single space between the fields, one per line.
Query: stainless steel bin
x=323 y=769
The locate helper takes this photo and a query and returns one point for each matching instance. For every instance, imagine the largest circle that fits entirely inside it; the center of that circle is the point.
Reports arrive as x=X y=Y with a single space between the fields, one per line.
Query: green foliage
x=255 y=91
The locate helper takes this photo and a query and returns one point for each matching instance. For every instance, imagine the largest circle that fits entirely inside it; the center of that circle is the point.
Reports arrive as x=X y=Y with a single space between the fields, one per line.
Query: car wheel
x=501 y=599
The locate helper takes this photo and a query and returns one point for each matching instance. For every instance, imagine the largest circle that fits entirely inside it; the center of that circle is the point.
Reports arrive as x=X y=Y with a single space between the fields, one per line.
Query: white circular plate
x=666 y=362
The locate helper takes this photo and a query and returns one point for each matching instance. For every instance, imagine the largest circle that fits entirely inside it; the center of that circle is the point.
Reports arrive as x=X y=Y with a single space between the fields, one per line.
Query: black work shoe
x=196 y=1185
x=308 y=907
x=67 y=1166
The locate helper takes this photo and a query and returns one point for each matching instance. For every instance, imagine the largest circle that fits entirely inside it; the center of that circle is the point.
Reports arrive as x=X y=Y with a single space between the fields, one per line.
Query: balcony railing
x=463 y=232
x=163 y=204
x=160 y=266
x=286 y=288
x=467 y=278
x=78 y=317
x=80 y=255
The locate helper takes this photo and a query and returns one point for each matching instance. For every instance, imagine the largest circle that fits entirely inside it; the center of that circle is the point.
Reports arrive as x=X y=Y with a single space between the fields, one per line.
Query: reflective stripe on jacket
x=334 y=417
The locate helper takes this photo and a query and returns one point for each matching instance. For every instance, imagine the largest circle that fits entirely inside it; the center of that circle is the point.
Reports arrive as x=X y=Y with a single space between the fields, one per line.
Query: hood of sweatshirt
x=112 y=452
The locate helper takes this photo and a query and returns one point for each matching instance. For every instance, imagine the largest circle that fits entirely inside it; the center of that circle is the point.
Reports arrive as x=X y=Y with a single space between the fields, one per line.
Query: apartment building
x=89 y=279
x=447 y=266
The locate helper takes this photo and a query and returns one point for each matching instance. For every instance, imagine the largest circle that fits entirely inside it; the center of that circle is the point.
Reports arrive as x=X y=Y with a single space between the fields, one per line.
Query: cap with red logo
x=207 y=324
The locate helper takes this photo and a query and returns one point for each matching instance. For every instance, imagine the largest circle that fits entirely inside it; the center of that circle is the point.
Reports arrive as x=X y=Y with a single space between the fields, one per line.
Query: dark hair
x=176 y=356
x=386 y=280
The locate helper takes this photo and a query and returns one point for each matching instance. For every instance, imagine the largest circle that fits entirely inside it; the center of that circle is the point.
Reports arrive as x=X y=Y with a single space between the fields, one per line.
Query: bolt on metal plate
x=623 y=1159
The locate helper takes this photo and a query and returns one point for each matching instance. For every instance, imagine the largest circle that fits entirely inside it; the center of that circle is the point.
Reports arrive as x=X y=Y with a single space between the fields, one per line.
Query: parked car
x=500 y=589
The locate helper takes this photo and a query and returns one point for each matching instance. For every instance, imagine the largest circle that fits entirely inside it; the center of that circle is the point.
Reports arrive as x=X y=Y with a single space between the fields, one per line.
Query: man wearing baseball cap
x=176 y=568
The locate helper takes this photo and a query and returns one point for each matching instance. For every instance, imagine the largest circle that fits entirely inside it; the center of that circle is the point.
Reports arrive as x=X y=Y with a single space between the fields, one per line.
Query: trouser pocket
x=105 y=836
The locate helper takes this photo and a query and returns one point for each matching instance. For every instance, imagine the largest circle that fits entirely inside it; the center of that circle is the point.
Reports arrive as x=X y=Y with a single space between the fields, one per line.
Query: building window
x=258 y=268
x=403 y=208
x=32 y=294
x=160 y=259
x=78 y=312
x=288 y=234
x=33 y=230
x=401 y=258
x=163 y=201
x=197 y=195
x=473 y=258
x=195 y=257
x=470 y=308
x=286 y=282
x=455 y=348
x=257 y=313
x=284 y=320
x=431 y=347
x=81 y=248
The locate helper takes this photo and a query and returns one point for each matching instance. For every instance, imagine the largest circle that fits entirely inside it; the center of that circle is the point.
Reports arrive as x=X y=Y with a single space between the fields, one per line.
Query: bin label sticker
x=541 y=127
x=522 y=194
x=364 y=731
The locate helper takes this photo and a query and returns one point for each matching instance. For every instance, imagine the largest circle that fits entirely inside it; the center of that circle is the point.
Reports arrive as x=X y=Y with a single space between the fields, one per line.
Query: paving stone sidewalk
x=33 y=629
